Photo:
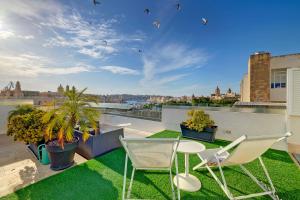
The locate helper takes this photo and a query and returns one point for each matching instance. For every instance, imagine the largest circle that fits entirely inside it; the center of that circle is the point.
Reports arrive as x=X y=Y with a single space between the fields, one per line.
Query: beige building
x=11 y=90
x=266 y=80
x=217 y=94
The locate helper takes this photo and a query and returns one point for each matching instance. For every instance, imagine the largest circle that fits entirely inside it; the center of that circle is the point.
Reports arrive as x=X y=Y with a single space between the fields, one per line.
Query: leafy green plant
x=27 y=127
x=21 y=110
x=198 y=120
x=75 y=110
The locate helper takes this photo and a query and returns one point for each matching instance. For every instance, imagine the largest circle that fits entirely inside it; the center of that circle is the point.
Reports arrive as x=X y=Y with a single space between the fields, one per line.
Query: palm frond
x=85 y=136
x=74 y=110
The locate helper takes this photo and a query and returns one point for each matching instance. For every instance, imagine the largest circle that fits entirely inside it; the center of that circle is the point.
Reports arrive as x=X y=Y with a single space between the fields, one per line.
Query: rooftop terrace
x=101 y=178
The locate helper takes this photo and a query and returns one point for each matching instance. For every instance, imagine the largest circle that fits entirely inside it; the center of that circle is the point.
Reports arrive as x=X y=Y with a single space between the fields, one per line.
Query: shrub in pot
x=74 y=112
x=199 y=126
x=25 y=124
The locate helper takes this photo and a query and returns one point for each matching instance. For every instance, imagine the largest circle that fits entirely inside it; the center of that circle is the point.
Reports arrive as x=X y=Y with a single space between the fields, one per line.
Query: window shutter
x=293 y=91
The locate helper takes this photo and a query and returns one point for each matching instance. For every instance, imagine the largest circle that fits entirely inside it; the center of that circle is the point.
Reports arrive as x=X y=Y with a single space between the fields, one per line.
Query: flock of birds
x=156 y=23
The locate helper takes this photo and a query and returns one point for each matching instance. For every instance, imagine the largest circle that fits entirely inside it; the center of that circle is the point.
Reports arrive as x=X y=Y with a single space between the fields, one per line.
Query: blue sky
x=45 y=43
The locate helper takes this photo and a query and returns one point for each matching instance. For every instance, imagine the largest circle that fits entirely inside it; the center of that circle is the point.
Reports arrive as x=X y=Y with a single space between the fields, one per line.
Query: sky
x=114 y=48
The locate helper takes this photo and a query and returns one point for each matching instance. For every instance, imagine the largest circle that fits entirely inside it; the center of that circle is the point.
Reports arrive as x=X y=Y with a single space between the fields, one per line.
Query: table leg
x=186 y=160
x=187 y=181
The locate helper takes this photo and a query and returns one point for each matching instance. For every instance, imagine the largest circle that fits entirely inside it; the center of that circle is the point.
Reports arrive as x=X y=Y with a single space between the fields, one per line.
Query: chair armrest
x=288 y=134
x=231 y=145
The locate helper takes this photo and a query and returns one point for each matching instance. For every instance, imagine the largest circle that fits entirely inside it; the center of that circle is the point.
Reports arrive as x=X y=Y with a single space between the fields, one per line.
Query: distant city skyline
x=13 y=87
x=114 y=48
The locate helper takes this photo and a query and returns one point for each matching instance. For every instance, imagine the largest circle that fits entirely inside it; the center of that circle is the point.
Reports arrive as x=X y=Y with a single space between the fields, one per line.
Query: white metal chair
x=150 y=154
x=247 y=150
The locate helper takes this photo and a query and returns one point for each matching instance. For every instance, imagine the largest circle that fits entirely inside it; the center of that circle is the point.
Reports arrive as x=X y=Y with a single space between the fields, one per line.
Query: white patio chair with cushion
x=150 y=154
x=247 y=150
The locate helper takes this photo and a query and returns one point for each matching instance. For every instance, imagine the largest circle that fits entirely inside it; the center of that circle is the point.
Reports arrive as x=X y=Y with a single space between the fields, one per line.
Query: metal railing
x=142 y=114
x=253 y=109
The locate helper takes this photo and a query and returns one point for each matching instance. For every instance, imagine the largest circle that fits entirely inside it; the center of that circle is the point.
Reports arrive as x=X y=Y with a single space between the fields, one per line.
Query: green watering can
x=43 y=154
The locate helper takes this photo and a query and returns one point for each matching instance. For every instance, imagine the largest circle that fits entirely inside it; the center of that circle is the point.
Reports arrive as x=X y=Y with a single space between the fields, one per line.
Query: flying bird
x=156 y=24
x=96 y=2
x=140 y=51
x=104 y=42
x=204 y=21
x=147 y=11
x=178 y=6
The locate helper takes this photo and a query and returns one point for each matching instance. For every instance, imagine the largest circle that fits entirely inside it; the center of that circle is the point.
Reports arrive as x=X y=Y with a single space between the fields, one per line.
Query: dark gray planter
x=62 y=158
x=207 y=135
x=98 y=144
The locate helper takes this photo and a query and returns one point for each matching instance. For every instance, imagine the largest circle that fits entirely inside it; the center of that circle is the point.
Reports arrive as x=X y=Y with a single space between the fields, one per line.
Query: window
x=278 y=78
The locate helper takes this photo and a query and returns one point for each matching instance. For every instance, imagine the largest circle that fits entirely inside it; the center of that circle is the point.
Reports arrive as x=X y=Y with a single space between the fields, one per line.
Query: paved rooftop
x=19 y=167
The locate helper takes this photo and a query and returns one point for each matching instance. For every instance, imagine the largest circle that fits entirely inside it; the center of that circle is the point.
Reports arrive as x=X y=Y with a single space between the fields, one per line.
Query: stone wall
x=259 y=75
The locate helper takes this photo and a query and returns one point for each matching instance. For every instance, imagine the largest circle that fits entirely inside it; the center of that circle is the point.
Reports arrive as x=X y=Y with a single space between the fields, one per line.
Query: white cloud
x=4 y=34
x=62 y=71
x=120 y=70
x=169 y=59
x=26 y=37
x=29 y=65
x=66 y=27
x=30 y=8
x=97 y=40
x=168 y=79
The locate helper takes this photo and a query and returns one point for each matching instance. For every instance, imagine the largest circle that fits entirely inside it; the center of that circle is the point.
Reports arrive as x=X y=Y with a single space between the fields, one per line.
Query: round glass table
x=187 y=181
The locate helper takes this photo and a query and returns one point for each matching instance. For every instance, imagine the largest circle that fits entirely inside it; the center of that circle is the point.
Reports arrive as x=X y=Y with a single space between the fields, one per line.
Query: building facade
x=217 y=95
x=266 y=80
x=12 y=90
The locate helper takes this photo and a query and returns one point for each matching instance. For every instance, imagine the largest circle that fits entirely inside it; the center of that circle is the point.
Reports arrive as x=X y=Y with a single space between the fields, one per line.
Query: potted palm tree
x=75 y=111
x=199 y=126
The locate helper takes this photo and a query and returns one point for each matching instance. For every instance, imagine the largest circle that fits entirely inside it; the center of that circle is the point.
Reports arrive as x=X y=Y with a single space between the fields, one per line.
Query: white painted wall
x=4 y=110
x=7 y=105
x=285 y=61
x=294 y=127
x=245 y=89
x=138 y=124
x=231 y=125
x=293 y=102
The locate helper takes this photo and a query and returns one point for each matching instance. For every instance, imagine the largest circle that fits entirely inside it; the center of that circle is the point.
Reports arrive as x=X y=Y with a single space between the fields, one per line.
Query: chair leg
x=200 y=165
x=267 y=191
x=130 y=185
x=222 y=174
x=172 y=186
x=177 y=179
x=124 y=178
x=267 y=175
x=225 y=190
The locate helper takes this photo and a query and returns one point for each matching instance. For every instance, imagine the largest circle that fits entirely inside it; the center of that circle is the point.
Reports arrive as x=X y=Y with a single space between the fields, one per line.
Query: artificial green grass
x=101 y=178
